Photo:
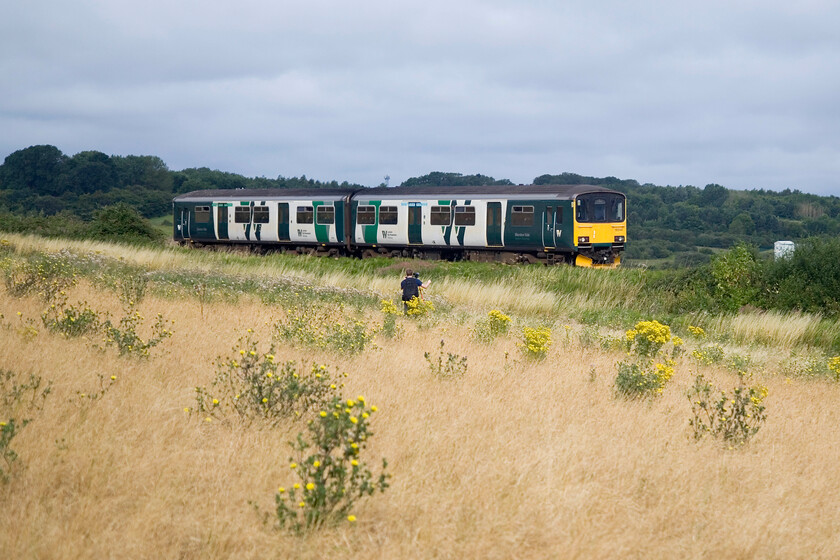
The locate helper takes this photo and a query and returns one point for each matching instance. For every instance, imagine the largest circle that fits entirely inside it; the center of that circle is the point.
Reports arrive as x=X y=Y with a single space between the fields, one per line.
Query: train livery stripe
x=369 y=231
x=463 y=229
x=447 y=230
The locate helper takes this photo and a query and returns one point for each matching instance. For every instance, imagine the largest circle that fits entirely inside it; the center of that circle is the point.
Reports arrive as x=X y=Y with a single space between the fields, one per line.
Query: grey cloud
x=669 y=93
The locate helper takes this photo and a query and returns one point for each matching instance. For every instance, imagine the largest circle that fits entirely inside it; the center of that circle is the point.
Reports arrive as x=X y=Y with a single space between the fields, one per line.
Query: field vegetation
x=159 y=402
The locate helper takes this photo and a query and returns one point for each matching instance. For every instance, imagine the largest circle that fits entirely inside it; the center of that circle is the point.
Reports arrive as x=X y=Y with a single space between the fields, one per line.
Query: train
x=583 y=225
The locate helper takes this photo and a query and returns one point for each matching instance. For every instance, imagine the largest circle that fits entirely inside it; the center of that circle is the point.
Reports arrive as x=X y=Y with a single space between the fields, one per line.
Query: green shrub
x=125 y=337
x=808 y=280
x=123 y=223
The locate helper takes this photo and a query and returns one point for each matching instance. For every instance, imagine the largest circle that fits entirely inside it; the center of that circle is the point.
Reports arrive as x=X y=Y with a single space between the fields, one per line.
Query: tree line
x=685 y=223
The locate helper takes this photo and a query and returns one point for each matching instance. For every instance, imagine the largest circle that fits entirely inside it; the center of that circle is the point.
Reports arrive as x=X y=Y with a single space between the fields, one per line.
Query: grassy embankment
x=516 y=458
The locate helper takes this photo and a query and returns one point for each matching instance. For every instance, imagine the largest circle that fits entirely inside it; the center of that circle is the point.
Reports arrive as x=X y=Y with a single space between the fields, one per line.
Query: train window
x=599 y=210
x=202 y=214
x=387 y=215
x=260 y=214
x=440 y=216
x=617 y=210
x=522 y=216
x=325 y=215
x=366 y=215
x=465 y=215
x=581 y=214
x=242 y=214
x=304 y=214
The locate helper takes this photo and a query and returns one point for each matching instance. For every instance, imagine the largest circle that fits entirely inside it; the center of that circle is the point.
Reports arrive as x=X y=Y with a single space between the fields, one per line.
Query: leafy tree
x=89 y=172
x=714 y=195
x=441 y=179
x=742 y=224
x=35 y=170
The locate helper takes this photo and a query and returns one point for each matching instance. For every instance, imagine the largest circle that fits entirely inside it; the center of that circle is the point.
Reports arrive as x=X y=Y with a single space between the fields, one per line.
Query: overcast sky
x=744 y=94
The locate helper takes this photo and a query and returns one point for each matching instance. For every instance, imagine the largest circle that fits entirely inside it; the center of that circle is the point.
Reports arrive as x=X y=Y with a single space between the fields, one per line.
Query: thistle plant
x=451 y=367
x=20 y=399
x=331 y=474
x=734 y=417
x=128 y=341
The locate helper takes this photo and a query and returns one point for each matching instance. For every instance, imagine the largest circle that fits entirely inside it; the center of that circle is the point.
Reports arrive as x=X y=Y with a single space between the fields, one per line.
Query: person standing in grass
x=410 y=288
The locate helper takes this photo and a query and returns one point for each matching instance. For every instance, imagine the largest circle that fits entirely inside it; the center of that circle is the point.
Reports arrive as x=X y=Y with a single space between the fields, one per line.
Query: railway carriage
x=301 y=219
x=580 y=224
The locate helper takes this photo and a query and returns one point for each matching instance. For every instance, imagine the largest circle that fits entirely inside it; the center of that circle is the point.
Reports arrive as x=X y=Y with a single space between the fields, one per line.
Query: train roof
x=560 y=192
x=264 y=194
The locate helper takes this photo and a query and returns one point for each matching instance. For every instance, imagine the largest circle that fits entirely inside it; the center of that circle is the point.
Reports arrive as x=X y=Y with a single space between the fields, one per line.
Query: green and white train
x=580 y=224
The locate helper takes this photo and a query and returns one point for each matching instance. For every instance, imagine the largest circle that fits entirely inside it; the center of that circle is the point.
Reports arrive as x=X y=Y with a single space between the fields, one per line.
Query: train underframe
x=601 y=257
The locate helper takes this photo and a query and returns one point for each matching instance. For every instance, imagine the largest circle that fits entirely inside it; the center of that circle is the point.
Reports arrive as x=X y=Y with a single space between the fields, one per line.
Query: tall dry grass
x=518 y=459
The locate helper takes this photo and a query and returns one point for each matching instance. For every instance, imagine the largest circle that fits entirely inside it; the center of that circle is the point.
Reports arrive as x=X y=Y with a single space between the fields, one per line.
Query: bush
x=733 y=418
x=328 y=328
x=808 y=280
x=332 y=475
x=497 y=324
x=122 y=223
x=737 y=275
x=254 y=385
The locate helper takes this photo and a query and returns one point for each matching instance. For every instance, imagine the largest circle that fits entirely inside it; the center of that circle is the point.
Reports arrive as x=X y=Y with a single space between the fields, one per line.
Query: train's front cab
x=600 y=229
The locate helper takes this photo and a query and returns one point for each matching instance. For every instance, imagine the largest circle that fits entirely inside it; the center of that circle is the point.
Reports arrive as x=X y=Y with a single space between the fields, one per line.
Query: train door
x=184 y=223
x=222 y=221
x=548 y=228
x=283 y=221
x=415 y=222
x=494 y=224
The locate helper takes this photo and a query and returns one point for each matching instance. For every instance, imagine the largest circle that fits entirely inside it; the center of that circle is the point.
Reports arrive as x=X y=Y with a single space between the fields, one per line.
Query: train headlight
x=583 y=239
x=619 y=239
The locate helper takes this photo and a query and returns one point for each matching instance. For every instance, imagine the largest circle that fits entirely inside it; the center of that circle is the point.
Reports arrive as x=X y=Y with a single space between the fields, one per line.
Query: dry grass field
x=515 y=459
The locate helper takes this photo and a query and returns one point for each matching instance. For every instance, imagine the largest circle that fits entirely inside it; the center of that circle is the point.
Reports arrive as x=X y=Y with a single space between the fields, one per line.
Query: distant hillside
x=685 y=224
x=44 y=180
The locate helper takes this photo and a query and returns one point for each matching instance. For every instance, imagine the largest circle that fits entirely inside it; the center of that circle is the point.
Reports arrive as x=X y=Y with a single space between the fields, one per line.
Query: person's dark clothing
x=410 y=288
